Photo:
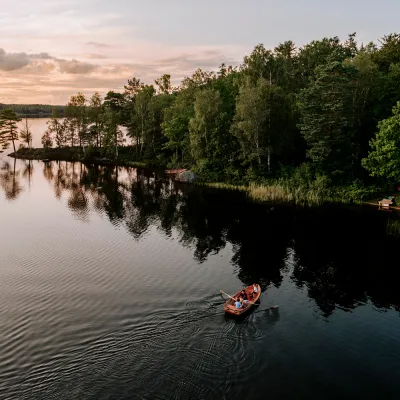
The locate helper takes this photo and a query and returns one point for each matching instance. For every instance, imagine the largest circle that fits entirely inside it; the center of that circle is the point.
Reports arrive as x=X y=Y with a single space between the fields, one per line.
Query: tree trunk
x=116 y=141
x=269 y=124
x=206 y=142
x=141 y=144
x=258 y=152
x=12 y=138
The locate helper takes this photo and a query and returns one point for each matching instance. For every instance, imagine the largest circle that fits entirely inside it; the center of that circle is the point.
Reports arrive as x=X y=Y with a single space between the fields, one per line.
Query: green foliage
x=176 y=127
x=384 y=158
x=26 y=134
x=4 y=139
x=389 y=53
x=58 y=129
x=141 y=127
x=112 y=137
x=250 y=122
x=33 y=110
x=8 y=128
x=328 y=117
x=96 y=120
x=164 y=84
x=76 y=112
x=295 y=119
x=47 y=141
x=203 y=124
x=356 y=192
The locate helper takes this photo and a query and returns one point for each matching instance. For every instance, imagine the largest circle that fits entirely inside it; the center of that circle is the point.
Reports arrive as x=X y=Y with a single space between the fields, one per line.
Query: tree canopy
x=384 y=158
x=318 y=104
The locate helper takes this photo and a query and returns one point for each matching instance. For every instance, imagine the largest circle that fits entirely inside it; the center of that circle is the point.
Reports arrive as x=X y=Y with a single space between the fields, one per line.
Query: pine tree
x=328 y=117
x=26 y=134
x=8 y=127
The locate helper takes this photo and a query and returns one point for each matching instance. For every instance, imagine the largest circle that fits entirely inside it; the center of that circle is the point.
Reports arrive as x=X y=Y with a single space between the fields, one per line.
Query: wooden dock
x=386 y=204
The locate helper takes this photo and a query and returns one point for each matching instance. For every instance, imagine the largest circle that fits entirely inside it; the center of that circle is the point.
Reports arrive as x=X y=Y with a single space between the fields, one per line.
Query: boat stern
x=232 y=310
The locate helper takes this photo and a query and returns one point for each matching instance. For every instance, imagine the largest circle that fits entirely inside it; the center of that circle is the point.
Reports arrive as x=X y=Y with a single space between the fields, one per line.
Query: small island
x=89 y=156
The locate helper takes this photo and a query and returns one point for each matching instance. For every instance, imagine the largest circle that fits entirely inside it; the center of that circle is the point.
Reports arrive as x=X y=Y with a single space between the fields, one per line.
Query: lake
x=110 y=279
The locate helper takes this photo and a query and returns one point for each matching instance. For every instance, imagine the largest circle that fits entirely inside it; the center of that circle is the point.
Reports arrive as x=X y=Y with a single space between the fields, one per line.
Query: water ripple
x=112 y=293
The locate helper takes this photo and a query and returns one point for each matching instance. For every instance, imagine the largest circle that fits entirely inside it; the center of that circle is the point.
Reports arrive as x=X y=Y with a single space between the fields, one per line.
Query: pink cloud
x=40 y=77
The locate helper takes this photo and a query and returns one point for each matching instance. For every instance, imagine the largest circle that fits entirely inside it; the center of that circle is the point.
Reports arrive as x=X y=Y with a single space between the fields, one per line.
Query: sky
x=51 y=49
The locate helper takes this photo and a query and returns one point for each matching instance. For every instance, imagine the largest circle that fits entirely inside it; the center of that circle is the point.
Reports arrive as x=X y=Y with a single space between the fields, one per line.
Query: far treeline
x=33 y=110
x=320 y=116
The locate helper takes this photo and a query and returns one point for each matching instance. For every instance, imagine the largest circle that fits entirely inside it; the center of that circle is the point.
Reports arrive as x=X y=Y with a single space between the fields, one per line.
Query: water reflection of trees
x=10 y=180
x=27 y=171
x=342 y=257
x=346 y=258
x=205 y=220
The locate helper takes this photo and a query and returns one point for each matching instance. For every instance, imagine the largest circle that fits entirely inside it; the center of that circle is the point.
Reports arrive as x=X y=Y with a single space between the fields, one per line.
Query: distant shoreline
x=34 y=115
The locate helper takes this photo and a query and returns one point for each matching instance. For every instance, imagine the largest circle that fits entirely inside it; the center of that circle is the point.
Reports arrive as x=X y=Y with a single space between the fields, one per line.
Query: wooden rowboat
x=230 y=307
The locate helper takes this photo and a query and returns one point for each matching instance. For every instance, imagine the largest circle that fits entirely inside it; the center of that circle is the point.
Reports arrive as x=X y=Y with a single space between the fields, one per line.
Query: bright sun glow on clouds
x=50 y=49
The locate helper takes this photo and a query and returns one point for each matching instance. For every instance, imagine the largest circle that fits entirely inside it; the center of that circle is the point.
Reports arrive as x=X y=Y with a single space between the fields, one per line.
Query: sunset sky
x=50 y=49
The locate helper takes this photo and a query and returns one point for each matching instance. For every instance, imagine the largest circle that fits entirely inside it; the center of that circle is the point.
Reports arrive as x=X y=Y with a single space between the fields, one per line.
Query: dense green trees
x=384 y=159
x=328 y=121
x=203 y=124
x=47 y=140
x=58 y=129
x=33 y=110
x=283 y=108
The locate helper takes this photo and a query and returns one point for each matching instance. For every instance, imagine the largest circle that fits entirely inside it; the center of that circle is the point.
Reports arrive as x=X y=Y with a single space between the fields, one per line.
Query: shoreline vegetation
x=319 y=123
x=78 y=154
x=281 y=191
x=289 y=190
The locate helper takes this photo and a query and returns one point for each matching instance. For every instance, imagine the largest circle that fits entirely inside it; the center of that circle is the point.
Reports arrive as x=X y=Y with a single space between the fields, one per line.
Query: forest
x=33 y=110
x=324 y=115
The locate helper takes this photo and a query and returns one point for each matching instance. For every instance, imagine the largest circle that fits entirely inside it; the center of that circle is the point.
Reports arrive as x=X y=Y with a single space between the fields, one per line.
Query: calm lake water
x=110 y=279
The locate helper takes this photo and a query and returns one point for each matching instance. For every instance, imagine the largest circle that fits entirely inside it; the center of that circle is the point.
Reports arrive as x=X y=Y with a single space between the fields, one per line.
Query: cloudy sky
x=50 y=49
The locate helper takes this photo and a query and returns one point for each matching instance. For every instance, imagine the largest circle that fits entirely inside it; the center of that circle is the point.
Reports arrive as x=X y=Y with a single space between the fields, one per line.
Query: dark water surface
x=109 y=289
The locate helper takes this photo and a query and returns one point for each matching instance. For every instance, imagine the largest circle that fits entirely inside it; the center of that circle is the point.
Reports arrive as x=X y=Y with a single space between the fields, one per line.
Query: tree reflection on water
x=342 y=256
x=10 y=180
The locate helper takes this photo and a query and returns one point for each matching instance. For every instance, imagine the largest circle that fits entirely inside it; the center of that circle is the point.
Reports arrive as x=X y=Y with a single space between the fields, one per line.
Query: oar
x=221 y=291
x=248 y=302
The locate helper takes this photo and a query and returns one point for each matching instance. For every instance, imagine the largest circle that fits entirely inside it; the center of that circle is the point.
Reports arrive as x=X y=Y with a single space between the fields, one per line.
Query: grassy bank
x=312 y=193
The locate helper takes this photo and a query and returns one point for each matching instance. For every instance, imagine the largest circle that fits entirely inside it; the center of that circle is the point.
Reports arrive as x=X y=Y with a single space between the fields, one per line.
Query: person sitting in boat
x=243 y=296
x=238 y=303
x=255 y=289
